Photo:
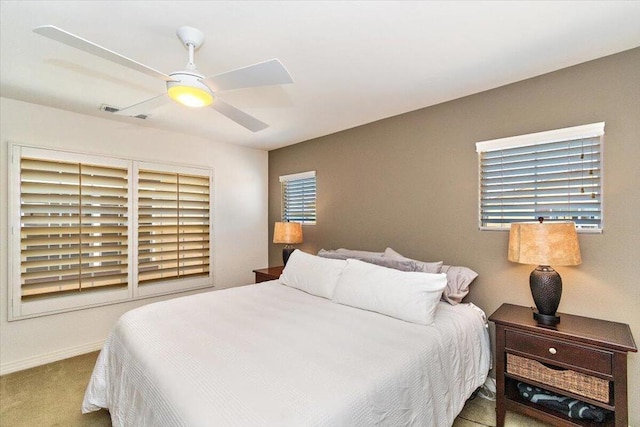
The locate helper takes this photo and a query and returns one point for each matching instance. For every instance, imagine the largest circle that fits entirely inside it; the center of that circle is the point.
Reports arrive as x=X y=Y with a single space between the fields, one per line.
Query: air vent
x=108 y=108
x=112 y=109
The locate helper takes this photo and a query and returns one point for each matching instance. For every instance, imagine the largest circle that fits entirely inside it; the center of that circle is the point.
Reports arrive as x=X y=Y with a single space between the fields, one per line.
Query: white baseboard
x=43 y=359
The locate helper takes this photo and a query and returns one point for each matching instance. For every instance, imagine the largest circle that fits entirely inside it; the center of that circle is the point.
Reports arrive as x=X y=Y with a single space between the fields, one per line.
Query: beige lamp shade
x=287 y=232
x=544 y=243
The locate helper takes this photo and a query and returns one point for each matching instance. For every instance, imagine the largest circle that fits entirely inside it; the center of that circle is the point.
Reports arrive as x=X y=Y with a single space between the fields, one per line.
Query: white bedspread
x=270 y=355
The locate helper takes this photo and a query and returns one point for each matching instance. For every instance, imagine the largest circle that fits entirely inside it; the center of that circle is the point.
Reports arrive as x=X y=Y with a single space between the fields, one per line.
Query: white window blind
x=173 y=225
x=73 y=234
x=556 y=175
x=299 y=197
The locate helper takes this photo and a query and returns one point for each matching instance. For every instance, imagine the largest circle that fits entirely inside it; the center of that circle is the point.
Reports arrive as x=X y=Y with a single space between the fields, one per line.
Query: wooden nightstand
x=579 y=350
x=271 y=273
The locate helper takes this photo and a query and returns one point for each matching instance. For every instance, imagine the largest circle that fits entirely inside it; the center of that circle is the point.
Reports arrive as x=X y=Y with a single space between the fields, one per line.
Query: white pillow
x=406 y=295
x=312 y=274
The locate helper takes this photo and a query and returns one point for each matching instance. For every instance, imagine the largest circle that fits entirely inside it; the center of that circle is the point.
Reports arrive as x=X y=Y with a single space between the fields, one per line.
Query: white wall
x=239 y=217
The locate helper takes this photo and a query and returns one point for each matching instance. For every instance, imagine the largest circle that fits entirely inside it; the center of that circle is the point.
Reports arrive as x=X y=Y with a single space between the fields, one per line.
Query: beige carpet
x=51 y=395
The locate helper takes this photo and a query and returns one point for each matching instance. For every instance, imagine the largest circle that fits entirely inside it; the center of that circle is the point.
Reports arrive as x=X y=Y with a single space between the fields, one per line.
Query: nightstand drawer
x=562 y=352
x=564 y=379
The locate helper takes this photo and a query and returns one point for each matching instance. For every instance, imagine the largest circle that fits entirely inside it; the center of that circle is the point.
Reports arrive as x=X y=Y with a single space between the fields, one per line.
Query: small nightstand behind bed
x=580 y=358
x=266 y=274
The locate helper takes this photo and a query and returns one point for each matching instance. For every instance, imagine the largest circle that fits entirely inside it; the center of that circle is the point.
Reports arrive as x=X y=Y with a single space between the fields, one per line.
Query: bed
x=271 y=354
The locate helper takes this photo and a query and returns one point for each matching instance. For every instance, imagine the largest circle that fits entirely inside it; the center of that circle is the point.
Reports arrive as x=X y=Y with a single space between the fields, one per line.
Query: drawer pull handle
x=552 y=350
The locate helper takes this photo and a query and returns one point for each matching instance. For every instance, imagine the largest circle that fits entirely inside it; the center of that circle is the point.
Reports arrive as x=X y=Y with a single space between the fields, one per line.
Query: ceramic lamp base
x=286 y=253
x=545 y=319
x=546 y=289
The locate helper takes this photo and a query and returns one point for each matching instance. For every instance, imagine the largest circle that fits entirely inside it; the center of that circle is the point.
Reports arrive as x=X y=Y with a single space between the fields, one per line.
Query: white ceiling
x=352 y=62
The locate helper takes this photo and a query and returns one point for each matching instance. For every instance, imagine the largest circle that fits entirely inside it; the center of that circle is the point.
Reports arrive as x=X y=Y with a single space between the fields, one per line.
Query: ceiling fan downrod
x=192 y=39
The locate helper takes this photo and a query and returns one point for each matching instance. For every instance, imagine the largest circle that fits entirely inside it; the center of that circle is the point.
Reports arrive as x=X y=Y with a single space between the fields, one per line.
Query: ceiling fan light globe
x=190 y=96
x=187 y=89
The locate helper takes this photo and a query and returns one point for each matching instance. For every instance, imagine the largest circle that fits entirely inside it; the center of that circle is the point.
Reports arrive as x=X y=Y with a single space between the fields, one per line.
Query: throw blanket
x=572 y=408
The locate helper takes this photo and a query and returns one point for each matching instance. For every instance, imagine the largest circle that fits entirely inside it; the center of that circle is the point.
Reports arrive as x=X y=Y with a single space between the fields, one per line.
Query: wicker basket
x=574 y=382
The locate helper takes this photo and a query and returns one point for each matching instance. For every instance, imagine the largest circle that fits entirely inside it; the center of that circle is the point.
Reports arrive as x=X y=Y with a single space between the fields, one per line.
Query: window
x=299 y=197
x=73 y=234
x=89 y=230
x=173 y=226
x=556 y=175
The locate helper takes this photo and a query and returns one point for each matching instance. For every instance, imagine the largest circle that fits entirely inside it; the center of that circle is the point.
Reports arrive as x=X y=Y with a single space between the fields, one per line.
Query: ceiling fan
x=188 y=86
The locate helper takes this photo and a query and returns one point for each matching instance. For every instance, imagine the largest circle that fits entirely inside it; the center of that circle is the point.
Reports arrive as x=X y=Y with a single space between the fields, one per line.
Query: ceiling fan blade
x=240 y=117
x=266 y=73
x=144 y=107
x=72 y=40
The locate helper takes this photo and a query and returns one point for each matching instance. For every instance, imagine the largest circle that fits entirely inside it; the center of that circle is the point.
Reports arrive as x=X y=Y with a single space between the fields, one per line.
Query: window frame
x=19 y=309
x=284 y=179
x=583 y=132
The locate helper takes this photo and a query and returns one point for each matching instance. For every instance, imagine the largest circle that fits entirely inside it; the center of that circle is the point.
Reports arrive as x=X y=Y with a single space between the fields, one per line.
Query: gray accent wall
x=410 y=182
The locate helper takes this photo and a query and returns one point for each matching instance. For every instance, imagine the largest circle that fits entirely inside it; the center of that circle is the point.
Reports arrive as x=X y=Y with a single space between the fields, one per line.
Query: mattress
x=271 y=355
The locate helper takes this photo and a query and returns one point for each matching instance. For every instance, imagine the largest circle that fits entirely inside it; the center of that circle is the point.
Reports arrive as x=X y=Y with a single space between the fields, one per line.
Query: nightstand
x=581 y=357
x=270 y=273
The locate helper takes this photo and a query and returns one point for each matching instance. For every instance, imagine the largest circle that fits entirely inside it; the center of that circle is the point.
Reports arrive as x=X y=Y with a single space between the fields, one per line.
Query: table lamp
x=288 y=233
x=545 y=244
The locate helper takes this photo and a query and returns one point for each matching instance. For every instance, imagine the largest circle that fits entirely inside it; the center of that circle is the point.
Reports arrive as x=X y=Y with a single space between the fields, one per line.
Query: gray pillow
x=425 y=267
x=402 y=265
x=359 y=254
x=458 y=281
x=392 y=263
x=332 y=254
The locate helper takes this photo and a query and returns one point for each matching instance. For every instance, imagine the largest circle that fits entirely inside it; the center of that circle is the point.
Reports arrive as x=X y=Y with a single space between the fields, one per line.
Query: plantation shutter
x=299 y=197
x=73 y=227
x=173 y=225
x=556 y=175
